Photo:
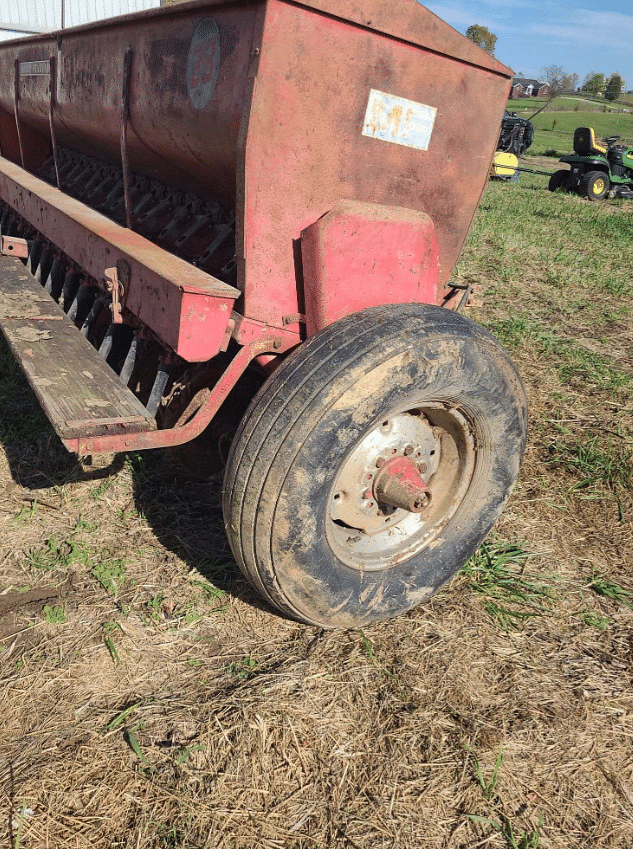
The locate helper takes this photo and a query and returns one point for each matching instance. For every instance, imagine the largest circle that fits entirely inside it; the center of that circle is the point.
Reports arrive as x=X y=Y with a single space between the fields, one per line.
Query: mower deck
x=79 y=392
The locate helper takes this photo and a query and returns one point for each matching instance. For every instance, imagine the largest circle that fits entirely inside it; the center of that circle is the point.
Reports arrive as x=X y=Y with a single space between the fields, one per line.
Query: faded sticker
x=35 y=69
x=394 y=119
x=203 y=62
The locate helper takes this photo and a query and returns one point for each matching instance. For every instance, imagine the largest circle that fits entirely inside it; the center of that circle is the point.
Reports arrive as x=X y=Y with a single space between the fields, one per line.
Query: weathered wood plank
x=78 y=391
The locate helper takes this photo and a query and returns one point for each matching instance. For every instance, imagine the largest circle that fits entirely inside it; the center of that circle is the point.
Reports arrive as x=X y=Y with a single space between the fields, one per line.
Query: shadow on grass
x=185 y=514
x=36 y=456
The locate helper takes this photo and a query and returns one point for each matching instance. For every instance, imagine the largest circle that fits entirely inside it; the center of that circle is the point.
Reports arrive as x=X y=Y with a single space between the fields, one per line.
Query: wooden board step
x=77 y=389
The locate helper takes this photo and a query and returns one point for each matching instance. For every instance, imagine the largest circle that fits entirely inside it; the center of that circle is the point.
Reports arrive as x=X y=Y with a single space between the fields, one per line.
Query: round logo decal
x=203 y=62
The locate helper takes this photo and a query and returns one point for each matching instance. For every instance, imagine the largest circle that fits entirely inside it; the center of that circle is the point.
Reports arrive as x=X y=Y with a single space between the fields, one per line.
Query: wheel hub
x=400 y=486
x=355 y=502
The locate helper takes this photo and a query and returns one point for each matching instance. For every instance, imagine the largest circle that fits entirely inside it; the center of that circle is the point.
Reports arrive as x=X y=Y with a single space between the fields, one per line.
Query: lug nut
x=380 y=462
x=408 y=449
x=422 y=467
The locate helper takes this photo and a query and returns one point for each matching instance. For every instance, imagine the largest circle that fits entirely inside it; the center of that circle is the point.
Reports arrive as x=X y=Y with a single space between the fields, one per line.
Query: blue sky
x=579 y=35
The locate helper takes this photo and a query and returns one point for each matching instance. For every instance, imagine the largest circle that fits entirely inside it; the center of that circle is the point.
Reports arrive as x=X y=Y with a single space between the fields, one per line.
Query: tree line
x=556 y=79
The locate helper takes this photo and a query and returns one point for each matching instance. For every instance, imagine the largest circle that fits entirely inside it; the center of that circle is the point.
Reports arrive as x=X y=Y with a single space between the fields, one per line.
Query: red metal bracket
x=247 y=331
x=186 y=308
x=117 y=281
x=194 y=427
x=12 y=246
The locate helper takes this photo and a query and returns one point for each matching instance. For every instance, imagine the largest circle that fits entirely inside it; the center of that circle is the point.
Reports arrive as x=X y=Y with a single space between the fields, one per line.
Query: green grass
x=574 y=363
x=488 y=785
x=514 y=840
x=243 y=669
x=498 y=819
x=510 y=596
x=603 y=466
x=110 y=629
x=602 y=585
x=523 y=234
x=57 y=556
x=110 y=574
x=592 y=619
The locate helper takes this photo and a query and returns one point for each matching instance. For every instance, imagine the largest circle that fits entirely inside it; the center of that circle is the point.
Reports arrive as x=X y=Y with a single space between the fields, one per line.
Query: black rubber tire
x=594 y=185
x=558 y=180
x=310 y=415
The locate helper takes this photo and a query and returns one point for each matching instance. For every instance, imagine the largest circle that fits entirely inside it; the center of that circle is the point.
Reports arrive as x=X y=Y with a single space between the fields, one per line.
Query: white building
x=21 y=17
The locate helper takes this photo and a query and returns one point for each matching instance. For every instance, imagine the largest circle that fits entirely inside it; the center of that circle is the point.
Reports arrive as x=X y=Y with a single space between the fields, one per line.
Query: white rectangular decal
x=35 y=69
x=394 y=119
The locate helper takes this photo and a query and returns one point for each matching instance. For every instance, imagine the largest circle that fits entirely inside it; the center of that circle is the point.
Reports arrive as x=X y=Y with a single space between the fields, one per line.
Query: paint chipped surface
x=397 y=120
x=96 y=402
x=32 y=334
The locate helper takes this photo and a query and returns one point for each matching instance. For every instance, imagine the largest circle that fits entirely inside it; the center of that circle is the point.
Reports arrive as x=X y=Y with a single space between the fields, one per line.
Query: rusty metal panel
x=311 y=96
x=404 y=21
x=182 y=127
x=267 y=106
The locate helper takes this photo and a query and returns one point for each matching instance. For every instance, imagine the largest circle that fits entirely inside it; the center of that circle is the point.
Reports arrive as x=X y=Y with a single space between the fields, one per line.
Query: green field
x=569 y=103
x=555 y=125
x=554 y=131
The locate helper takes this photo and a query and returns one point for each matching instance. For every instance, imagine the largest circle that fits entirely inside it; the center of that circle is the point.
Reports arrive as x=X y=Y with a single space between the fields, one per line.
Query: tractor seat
x=585 y=143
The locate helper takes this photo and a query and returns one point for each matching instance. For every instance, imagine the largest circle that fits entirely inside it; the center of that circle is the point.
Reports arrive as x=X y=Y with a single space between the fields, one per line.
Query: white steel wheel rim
x=370 y=536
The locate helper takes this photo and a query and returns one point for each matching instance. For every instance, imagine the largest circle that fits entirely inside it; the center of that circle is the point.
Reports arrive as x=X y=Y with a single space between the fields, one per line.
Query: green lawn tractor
x=595 y=171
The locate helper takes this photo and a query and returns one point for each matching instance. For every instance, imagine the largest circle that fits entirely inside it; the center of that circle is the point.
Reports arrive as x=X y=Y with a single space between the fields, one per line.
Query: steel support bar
x=51 y=118
x=194 y=427
x=534 y=171
x=187 y=309
x=125 y=118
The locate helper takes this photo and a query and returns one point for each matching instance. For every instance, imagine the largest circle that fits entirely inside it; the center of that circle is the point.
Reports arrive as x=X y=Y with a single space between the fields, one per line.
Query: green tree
x=593 y=82
x=482 y=37
x=614 y=87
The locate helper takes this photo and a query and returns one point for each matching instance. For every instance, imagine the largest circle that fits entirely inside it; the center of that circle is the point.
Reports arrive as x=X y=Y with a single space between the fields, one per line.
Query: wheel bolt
x=408 y=449
x=367 y=494
x=422 y=467
x=380 y=462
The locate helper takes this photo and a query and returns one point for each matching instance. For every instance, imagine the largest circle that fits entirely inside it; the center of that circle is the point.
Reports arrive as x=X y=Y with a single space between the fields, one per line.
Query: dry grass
x=171 y=709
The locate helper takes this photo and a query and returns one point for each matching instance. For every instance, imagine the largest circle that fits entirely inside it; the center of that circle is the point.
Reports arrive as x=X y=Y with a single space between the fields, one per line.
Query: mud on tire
x=299 y=510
